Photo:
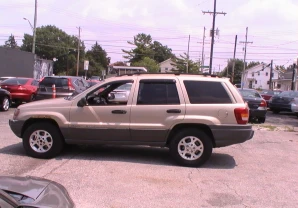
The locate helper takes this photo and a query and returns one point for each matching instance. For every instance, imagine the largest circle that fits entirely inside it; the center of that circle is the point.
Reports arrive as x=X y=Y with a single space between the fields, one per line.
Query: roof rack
x=173 y=73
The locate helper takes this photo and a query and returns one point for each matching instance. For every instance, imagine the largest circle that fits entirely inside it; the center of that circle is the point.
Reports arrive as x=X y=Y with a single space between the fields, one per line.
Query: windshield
x=289 y=94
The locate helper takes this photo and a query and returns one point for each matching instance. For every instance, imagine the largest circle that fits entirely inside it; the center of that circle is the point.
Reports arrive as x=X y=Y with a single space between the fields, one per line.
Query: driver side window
x=113 y=93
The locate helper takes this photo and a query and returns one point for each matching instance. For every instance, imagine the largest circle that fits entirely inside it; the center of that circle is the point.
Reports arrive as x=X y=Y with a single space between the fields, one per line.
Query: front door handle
x=119 y=112
x=174 y=111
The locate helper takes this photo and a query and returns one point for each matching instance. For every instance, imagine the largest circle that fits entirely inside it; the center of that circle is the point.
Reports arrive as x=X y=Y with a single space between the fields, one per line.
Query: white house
x=285 y=80
x=258 y=77
x=167 y=66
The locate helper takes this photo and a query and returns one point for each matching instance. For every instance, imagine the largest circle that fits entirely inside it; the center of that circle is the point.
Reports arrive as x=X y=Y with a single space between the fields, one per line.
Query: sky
x=272 y=25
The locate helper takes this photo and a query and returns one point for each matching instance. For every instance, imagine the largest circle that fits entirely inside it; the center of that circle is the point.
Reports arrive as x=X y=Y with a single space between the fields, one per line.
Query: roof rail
x=174 y=73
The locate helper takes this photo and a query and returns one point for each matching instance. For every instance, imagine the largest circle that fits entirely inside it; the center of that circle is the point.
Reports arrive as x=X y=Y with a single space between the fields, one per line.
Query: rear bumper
x=256 y=113
x=229 y=135
x=16 y=127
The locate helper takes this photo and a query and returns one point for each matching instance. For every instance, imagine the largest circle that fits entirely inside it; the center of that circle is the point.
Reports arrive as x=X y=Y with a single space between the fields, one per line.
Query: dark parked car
x=282 y=101
x=21 y=89
x=33 y=192
x=257 y=105
x=267 y=94
x=5 y=100
x=64 y=85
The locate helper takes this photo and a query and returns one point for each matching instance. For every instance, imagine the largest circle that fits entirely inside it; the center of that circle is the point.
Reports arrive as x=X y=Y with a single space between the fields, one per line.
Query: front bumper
x=16 y=127
x=229 y=135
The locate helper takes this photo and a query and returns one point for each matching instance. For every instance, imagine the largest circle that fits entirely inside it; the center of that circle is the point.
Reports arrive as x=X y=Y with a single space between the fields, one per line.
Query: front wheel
x=191 y=147
x=5 y=104
x=42 y=140
x=262 y=119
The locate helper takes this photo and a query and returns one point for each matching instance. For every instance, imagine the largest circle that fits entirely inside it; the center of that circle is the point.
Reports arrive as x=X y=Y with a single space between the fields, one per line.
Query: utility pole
x=270 y=77
x=202 y=62
x=244 y=64
x=187 y=55
x=214 y=13
x=34 y=28
x=78 y=58
x=233 y=67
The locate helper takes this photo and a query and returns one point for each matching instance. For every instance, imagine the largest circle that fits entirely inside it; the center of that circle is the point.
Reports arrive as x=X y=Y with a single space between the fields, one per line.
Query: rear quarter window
x=206 y=92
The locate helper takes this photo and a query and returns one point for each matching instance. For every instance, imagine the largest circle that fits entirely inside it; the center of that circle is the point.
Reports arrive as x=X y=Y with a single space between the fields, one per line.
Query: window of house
x=256 y=82
x=158 y=92
x=266 y=73
x=258 y=73
x=206 y=92
x=253 y=74
x=166 y=68
x=272 y=74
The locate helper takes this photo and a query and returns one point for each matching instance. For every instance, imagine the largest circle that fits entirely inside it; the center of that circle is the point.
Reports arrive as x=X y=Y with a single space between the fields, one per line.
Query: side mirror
x=82 y=102
x=111 y=96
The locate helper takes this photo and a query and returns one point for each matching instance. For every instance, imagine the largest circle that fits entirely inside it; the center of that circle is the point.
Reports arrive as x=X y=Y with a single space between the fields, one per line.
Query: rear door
x=158 y=105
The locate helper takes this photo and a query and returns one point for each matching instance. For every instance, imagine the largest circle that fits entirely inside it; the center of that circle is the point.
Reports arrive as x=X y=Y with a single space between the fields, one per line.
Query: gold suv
x=189 y=114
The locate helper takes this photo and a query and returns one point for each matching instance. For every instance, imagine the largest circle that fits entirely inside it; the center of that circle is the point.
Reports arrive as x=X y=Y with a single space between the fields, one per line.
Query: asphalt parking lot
x=261 y=172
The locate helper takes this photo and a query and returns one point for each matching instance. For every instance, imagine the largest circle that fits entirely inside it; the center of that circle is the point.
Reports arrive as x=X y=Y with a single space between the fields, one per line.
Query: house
x=167 y=66
x=285 y=80
x=258 y=77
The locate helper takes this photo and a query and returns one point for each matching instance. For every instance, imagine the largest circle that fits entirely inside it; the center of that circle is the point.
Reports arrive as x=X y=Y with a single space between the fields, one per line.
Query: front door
x=103 y=118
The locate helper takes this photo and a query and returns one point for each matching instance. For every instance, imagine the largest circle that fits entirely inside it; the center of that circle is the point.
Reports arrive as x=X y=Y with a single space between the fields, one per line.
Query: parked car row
x=21 y=89
x=286 y=101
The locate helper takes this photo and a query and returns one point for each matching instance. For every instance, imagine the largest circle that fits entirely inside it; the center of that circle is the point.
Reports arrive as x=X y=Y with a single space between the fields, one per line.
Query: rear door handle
x=119 y=112
x=174 y=111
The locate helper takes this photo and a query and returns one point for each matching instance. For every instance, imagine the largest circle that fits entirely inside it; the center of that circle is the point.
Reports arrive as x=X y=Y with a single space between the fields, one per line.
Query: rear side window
x=15 y=81
x=158 y=93
x=49 y=81
x=205 y=92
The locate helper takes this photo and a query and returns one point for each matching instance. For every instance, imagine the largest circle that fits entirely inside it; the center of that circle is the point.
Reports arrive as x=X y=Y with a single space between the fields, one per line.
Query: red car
x=267 y=94
x=21 y=89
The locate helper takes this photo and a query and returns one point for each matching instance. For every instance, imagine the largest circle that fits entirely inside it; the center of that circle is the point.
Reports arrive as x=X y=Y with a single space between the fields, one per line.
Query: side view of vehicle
x=283 y=101
x=21 y=89
x=63 y=86
x=189 y=114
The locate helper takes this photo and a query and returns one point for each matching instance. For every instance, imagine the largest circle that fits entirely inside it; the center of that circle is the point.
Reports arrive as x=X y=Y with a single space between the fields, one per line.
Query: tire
x=5 y=104
x=51 y=146
x=275 y=111
x=32 y=98
x=262 y=119
x=199 y=147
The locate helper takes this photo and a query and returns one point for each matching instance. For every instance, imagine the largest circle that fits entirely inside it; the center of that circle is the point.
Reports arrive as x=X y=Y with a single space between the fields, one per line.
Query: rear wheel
x=42 y=140
x=191 y=147
x=32 y=98
x=262 y=119
x=5 y=104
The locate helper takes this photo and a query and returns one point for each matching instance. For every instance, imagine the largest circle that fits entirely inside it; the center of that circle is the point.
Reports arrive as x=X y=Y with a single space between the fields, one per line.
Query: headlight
x=16 y=113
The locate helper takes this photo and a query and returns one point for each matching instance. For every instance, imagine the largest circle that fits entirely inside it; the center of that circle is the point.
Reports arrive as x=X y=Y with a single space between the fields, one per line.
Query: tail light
x=263 y=104
x=241 y=115
x=70 y=87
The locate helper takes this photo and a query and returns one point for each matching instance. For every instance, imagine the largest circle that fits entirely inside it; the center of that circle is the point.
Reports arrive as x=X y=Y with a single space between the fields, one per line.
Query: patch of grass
x=270 y=127
x=289 y=129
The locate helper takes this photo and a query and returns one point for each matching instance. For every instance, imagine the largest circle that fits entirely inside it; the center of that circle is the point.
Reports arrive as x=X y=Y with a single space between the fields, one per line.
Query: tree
x=98 y=60
x=161 y=53
x=52 y=42
x=11 y=42
x=119 y=63
x=252 y=64
x=144 y=47
x=237 y=71
x=150 y=64
x=181 y=64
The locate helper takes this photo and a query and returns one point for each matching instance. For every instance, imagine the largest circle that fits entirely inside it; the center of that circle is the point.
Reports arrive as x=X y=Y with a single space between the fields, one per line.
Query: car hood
x=44 y=192
x=49 y=103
